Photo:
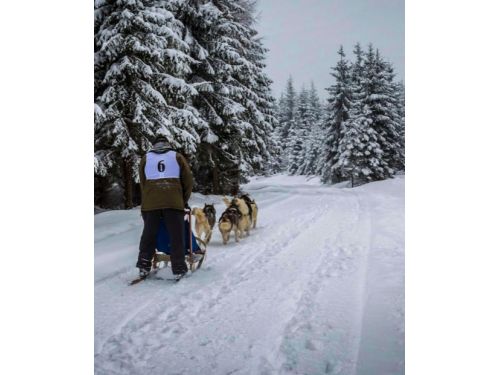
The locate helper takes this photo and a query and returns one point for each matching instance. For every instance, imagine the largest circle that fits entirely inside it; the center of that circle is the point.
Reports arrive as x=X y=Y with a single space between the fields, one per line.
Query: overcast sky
x=303 y=36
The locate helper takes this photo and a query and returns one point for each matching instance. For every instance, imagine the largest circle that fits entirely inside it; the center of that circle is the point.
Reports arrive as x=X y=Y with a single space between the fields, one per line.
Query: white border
x=452 y=255
x=47 y=149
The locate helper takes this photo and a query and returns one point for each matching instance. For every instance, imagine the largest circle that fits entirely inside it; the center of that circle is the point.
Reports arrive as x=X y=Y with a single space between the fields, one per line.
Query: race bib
x=161 y=166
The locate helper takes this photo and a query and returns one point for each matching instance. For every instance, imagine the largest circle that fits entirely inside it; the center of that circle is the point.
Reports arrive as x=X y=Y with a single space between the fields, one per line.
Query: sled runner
x=195 y=250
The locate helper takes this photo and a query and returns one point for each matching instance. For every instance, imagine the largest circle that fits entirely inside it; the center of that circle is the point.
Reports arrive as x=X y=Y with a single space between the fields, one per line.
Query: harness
x=234 y=206
x=249 y=202
x=231 y=211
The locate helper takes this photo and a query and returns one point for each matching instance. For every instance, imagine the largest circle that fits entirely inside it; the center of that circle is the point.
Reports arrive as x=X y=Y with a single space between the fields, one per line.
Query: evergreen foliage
x=339 y=103
x=359 y=136
x=313 y=139
x=299 y=132
x=140 y=62
x=370 y=148
x=192 y=70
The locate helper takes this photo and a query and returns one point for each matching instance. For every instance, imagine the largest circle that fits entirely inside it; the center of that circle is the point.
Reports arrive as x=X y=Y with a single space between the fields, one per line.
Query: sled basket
x=163 y=247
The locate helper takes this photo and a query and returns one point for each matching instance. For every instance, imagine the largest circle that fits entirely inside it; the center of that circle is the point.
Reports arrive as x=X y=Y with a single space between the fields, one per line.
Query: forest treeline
x=193 y=70
x=358 y=135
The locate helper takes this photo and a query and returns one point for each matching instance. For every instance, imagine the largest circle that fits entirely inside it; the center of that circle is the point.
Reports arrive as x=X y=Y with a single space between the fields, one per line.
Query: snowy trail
x=295 y=297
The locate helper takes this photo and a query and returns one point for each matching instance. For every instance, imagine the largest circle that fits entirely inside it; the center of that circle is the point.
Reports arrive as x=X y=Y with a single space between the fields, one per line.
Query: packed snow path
x=317 y=288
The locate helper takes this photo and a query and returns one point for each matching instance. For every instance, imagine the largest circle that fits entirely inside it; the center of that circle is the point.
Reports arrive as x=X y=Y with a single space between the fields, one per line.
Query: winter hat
x=160 y=138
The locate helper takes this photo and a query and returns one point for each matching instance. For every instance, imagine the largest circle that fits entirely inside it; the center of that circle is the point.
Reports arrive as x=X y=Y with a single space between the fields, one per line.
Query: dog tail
x=198 y=212
x=227 y=201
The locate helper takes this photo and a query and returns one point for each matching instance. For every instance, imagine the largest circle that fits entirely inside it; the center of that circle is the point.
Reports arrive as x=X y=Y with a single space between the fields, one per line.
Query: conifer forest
x=194 y=71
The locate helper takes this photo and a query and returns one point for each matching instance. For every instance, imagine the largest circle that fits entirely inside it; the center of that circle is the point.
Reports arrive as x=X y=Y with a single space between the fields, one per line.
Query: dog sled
x=195 y=252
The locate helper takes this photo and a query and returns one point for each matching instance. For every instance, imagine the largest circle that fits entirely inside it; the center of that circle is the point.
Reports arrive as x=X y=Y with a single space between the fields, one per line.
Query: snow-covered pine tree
x=314 y=139
x=299 y=132
x=290 y=114
x=258 y=119
x=141 y=58
x=359 y=151
x=288 y=119
x=397 y=94
x=384 y=104
x=278 y=141
x=400 y=92
x=233 y=92
x=362 y=155
x=102 y=161
x=339 y=103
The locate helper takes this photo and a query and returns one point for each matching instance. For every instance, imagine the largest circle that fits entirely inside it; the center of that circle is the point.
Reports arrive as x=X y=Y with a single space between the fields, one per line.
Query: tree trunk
x=98 y=191
x=127 y=183
x=236 y=184
x=215 y=180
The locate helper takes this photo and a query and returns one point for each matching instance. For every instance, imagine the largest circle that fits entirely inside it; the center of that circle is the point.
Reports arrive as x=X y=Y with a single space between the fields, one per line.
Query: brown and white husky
x=253 y=208
x=245 y=221
x=228 y=222
x=202 y=225
x=210 y=213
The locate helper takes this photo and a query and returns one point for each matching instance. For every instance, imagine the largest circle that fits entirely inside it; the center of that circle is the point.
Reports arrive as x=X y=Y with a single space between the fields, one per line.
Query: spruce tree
x=399 y=89
x=312 y=151
x=299 y=133
x=140 y=61
x=288 y=116
x=233 y=93
x=339 y=103
x=276 y=135
x=365 y=124
x=383 y=100
x=363 y=148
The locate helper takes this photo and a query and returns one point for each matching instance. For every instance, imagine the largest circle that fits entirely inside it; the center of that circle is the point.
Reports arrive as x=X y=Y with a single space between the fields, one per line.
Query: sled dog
x=209 y=211
x=252 y=208
x=228 y=222
x=202 y=225
x=245 y=220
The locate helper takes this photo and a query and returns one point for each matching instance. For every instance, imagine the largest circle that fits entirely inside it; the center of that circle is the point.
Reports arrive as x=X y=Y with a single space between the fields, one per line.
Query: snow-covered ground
x=317 y=288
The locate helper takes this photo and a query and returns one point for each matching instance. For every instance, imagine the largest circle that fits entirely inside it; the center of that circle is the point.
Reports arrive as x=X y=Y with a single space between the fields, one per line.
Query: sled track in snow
x=131 y=271
x=305 y=332
x=175 y=323
x=193 y=305
x=288 y=299
x=242 y=248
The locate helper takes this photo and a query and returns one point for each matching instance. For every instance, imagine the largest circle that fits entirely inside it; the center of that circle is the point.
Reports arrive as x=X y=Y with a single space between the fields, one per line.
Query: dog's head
x=236 y=202
x=246 y=198
x=209 y=209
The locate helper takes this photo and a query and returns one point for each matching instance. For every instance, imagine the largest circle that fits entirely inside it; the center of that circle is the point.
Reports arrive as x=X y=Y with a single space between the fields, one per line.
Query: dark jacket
x=166 y=192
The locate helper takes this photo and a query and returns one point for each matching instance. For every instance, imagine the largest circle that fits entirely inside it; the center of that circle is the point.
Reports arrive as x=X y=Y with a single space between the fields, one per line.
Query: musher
x=166 y=185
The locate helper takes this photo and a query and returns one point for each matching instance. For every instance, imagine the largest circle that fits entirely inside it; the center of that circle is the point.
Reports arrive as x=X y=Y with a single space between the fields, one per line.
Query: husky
x=228 y=222
x=202 y=225
x=210 y=213
x=245 y=221
x=252 y=208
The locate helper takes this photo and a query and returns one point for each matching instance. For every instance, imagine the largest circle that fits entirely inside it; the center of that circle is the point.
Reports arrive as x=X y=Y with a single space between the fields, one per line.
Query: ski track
x=265 y=305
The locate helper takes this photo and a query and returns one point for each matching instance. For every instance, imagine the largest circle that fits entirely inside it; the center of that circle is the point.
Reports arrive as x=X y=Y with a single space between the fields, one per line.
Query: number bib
x=161 y=166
